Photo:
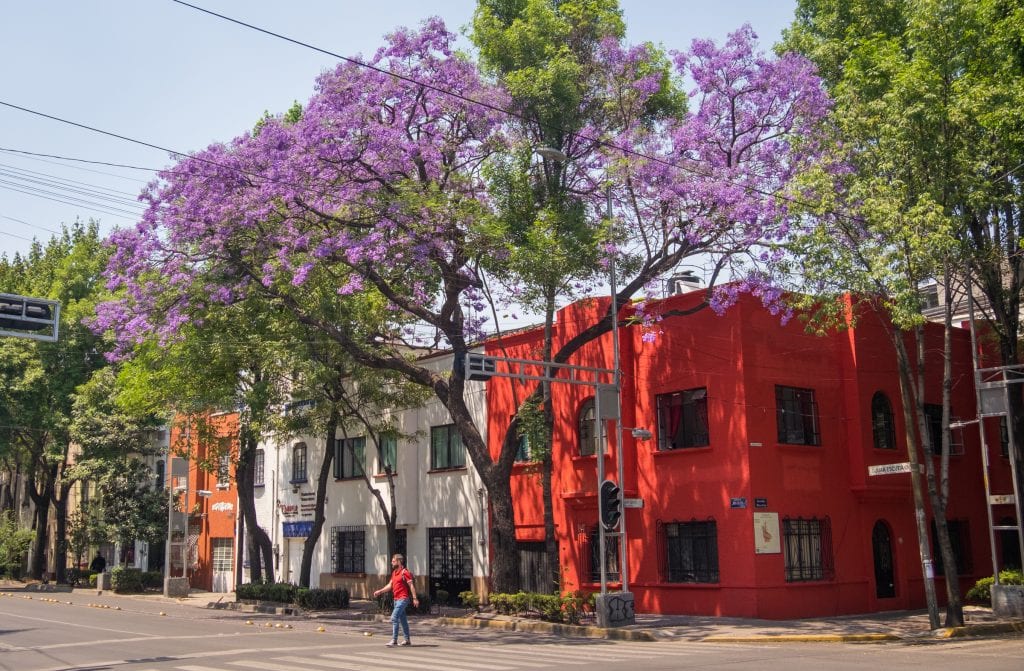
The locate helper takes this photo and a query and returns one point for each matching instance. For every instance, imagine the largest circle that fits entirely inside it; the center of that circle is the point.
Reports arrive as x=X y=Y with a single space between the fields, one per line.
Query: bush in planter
x=125 y=580
x=282 y=592
x=321 y=599
x=153 y=580
x=469 y=599
x=982 y=590
x=78 y=576
x=92 y=580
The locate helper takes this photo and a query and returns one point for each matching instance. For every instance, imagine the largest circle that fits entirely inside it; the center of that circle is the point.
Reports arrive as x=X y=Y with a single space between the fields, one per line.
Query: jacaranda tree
x=381 y=187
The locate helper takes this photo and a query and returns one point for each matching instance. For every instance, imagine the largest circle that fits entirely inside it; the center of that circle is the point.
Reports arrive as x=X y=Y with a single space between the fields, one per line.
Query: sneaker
x=405 y=642
x=391 y=644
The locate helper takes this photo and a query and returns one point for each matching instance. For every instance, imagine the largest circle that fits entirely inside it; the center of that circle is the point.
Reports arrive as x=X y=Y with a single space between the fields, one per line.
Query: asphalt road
x=41 y=635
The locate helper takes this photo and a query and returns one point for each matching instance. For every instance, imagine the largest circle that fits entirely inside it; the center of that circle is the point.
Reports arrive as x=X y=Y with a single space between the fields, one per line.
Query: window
x=159 y=471
x=84 y=490
x=797 y=416
x=401 y=543
x=960 y=541
x=611 y=555
x=1004 y=438
x=299 y=463
x=933 y=419
x=223 y=555
x=387 y=453
x=683 y=419
x=446 y=448
x=523 y=449
x=257 y=469
x=882 y=426
x=585 y=429
x=689 y=551
x=224 y=471
x=349 y=455
x=348 y=549
x=808 y=547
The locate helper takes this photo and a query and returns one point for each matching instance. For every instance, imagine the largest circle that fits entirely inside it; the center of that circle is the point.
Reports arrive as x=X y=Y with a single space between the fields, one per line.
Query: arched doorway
x=885 y=571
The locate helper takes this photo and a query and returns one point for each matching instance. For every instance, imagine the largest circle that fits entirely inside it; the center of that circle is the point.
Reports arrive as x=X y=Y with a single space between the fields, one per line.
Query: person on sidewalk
x=99 y=564
x=401 y=587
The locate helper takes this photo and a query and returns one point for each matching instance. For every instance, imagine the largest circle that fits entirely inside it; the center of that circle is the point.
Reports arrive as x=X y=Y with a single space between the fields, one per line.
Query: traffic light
x=610 y=504
x=25 y=314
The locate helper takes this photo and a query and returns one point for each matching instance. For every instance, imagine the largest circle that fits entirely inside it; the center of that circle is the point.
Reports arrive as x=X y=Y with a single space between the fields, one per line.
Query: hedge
x=982 y=590
x=567 y=608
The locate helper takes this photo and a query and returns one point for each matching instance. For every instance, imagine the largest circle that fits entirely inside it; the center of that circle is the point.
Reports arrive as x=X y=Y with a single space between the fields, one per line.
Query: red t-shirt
x=399 y=588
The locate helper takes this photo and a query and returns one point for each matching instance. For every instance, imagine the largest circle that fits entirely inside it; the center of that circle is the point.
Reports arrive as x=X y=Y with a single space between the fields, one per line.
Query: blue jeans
x=398 y=616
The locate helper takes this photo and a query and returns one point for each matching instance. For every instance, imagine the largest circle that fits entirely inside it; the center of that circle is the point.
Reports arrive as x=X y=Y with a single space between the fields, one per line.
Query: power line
x=22 y=221
x=131 y=196
x=89 y=206
x=34 y=156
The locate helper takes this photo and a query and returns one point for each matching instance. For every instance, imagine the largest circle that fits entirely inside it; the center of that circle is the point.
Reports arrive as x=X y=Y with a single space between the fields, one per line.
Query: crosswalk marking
x=553 y=653
x=267 y=666
x=407 y=658
x=197 y=668
x=344 y=663
x=499 y=655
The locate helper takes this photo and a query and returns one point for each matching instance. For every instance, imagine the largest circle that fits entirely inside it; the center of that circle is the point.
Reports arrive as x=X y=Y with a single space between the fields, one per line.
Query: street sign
x=632 y=503
x=1001 y=499
x=740 y=502
x=887 y=469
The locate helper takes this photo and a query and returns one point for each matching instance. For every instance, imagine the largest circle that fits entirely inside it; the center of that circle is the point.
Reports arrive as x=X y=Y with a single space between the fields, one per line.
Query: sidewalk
x=870 y=627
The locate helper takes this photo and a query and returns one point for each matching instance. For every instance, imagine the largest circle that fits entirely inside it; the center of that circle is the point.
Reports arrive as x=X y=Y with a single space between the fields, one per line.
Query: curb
x=980 y=629
x=567 y=630
x=804 y=638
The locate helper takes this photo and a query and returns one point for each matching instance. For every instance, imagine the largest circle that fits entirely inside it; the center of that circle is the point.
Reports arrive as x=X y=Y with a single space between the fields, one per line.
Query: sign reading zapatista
x=886 y=469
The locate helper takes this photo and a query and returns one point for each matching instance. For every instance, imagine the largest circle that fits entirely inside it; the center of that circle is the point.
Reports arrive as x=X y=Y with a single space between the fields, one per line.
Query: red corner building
x=754 y=492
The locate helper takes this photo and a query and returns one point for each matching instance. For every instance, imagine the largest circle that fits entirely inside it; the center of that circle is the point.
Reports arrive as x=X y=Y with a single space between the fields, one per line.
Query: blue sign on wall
x=738 y=503
x=297 y=529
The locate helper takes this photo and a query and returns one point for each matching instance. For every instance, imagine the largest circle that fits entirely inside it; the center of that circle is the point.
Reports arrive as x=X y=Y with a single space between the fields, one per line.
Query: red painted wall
x=740 y=357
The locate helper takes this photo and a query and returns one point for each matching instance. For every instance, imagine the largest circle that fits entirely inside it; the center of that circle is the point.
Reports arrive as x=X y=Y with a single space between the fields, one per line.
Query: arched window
x=882 y=425
x=585 y=429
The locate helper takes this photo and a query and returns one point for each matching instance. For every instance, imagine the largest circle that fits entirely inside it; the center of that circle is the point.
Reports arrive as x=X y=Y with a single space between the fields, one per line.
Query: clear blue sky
x=170 y=76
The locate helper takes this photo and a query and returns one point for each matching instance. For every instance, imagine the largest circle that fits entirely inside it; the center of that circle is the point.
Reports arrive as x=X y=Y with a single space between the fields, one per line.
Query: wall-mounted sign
x=886 y=469
x=766 y=534
x=760 y=503
x=297 y=529
x=222 y=506
x=740 y=502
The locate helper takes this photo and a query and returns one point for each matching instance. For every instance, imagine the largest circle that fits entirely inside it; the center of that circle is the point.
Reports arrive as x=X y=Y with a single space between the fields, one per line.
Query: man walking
x=401 y=587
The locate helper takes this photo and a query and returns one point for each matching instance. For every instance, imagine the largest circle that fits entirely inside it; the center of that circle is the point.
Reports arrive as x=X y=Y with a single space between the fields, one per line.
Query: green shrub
x=502 y=603
x=153 y=580
x=78 y=576
x=282 y=592
x=126 y=580
x=982 y=590
x=469 y=599
x=321 y=599
x=92 y=580
x=14 y=544
x=551 y=607
x=442 y=597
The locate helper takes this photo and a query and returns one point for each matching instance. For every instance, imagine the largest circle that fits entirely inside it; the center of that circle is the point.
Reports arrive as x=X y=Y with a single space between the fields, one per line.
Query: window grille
x=689 y=551
x=258 y=466
x=591 y=550
x=348 y=549
x=223 y=555
x=808 y=548
x=299 y=463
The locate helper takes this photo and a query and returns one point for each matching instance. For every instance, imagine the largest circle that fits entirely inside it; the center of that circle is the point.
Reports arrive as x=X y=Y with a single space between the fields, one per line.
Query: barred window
x=797 y=416
x=299 y=463
x=585 y=429
x=808 y=548
x=689 y=551
x=223 y=554
x=883 y=427
x=446 y=448
x=960 y=540
x=257 y=469
x=349 y=455
x=592 y=547
x=348 y=549
x=224 y=471
x=683 y=419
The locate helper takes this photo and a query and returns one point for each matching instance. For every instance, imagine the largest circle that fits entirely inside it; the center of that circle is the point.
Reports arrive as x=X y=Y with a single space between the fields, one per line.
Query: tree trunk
x=240 y=557
x=330 y=433
x=911 y=415
x=247 y=502
x=60 y=510
x=504 y=562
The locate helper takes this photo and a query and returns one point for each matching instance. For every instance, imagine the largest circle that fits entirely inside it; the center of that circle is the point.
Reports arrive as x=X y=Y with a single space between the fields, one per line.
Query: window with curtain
x=349 y=455
x=883 y=427
x=387 y=453
x=299 y=463
x=585 y=432
x=683 y=419
x=797 y=416
x=446 y=448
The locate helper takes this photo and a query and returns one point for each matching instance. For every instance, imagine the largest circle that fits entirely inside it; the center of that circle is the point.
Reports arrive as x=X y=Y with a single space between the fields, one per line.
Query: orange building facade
x=754 y=496
x=211 y=446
